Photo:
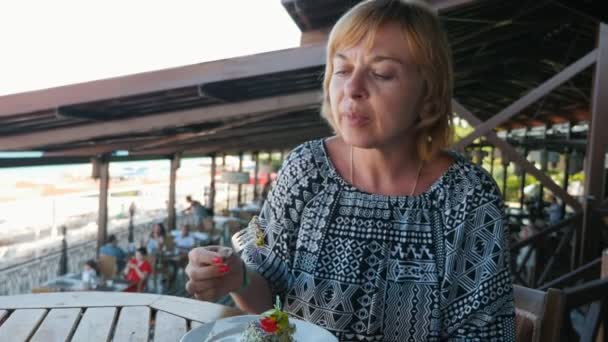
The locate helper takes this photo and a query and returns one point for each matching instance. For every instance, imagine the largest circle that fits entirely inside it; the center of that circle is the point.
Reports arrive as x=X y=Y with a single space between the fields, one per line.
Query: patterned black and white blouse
x=371 y=267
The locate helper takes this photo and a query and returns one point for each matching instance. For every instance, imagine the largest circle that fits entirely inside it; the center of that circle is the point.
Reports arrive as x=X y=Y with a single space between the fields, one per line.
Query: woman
x=377 y=234
x=137 y=270
x=157 y=239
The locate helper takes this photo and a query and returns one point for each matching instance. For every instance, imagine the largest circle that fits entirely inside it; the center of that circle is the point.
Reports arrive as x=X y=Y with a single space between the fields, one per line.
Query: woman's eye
x=381 y=76
x=340 y=72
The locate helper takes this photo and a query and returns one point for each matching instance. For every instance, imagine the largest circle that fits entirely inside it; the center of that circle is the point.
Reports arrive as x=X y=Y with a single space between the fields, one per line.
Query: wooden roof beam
x=191 y=75
x=533 y=96
x=154 y=122
x=517 y=158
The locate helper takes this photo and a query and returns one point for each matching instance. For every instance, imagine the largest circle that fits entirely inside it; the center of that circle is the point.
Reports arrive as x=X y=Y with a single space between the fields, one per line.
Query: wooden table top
x=103 y=316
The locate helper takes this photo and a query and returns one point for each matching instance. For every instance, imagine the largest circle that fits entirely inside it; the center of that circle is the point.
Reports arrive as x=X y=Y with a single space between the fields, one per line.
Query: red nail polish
x=224 y=268
x=216 y=260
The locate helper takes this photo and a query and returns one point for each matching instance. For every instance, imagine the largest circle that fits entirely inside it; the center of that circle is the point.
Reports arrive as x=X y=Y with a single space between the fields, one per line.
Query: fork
x=246 y=235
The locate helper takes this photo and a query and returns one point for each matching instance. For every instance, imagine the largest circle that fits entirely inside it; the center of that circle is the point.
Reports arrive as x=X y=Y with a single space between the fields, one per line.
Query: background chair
x=107 y=266
x=538 y=314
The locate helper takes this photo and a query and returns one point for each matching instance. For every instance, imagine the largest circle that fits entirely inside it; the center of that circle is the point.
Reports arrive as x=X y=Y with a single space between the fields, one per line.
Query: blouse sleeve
x=271 y=240
x=476 y=289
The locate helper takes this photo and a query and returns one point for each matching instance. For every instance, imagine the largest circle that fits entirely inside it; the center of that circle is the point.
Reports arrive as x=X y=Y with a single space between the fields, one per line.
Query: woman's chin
x=359 y=141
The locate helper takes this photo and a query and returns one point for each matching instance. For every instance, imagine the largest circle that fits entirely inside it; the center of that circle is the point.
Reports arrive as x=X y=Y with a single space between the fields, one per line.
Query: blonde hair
x=431 y=54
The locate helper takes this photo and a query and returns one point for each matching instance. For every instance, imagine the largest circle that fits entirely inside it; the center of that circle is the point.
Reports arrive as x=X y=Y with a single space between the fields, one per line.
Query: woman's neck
x=390 y=170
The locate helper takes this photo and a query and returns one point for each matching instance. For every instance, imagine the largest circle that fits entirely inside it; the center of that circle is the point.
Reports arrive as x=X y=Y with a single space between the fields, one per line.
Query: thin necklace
x=352 y=171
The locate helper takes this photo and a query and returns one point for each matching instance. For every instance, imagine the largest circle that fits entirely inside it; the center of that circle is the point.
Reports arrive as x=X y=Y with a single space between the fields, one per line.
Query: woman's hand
x=213 y=272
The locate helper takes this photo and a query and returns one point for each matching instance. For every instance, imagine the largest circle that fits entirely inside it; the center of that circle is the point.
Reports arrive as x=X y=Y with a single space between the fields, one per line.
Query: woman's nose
x=355 y=86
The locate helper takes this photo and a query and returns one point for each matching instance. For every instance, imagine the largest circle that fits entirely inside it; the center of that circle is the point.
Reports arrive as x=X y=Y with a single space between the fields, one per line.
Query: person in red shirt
x=137 y=271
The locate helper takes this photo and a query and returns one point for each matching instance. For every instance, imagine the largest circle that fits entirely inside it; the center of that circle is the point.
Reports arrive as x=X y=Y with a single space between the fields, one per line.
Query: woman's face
x=139 y=257
x=375 y=92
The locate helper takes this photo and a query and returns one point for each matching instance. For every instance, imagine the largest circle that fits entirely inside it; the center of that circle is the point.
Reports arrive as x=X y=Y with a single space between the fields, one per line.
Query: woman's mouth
x=356 y=119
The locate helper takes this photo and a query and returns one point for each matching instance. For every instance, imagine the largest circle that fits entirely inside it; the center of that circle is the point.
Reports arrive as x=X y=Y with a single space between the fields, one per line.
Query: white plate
x=230 y=330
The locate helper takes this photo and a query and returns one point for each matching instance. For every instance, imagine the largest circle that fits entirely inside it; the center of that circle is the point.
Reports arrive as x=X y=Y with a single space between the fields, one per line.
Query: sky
x=45 y=44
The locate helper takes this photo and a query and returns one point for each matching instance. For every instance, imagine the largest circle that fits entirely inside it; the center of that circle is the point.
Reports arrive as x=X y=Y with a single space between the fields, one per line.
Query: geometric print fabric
x=370 y=267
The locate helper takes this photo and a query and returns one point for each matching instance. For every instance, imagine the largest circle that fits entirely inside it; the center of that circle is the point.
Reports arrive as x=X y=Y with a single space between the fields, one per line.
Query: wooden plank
x=96 y=325
x=21 y=324
x=168 y=327
x=228 y=126
x=515 y=157
x=103 y=166
x=537 y=93
x=445 y=5
x=603 y=275
x=291 y=102
x=194 y=309
x=175 y=164
x=191 y=75
x=58 y=325
x=595 y=156
x=76 y=300
x=133 y=324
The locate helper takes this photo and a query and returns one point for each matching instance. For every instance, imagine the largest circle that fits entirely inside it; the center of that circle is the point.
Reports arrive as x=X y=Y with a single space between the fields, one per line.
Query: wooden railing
x=21 y=278
x=566 y=227
x=584 y=294
x=592 y=298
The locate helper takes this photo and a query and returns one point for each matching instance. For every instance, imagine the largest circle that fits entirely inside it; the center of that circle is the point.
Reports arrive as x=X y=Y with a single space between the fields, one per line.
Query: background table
x=200 y=238
x=103 y=316
x=73 y=282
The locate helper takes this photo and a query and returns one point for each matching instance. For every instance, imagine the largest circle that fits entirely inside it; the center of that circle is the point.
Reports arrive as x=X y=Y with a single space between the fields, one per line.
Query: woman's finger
x=209 y=255
x=201 y=273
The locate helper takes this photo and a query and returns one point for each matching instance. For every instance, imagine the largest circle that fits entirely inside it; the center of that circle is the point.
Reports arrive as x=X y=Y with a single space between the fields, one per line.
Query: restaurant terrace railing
x=549 y=247
x=22 y=277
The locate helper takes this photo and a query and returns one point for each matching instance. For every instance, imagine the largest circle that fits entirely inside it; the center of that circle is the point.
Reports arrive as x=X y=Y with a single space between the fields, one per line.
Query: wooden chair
x=169 y=242
x=538 y=314
x=107 y=266
x=208 y=225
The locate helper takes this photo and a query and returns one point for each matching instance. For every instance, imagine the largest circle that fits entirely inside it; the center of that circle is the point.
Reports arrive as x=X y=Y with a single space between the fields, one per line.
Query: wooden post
x=102 y=165
x=175 y=164
x=256 y=158
x=212 y=185
x=63 y=260
x=240 y=186
x=604 y=274
x=566 y=179
x=492 y=161
x=505 y=166
x=523 y=181
x=543 y=167
x=597 y=140
x=227 y=184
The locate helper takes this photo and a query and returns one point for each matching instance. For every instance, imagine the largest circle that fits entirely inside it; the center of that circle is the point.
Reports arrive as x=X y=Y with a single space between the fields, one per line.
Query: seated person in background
x=554 y=211
x=157 y=239
x=184 y=241
x=137 y=271
x=89 y=272
x=111 y=248
x=198 y=210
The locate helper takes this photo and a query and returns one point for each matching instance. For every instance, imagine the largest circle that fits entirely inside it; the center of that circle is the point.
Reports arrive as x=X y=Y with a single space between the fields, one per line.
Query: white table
x=202 y=237
x=103 y=316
